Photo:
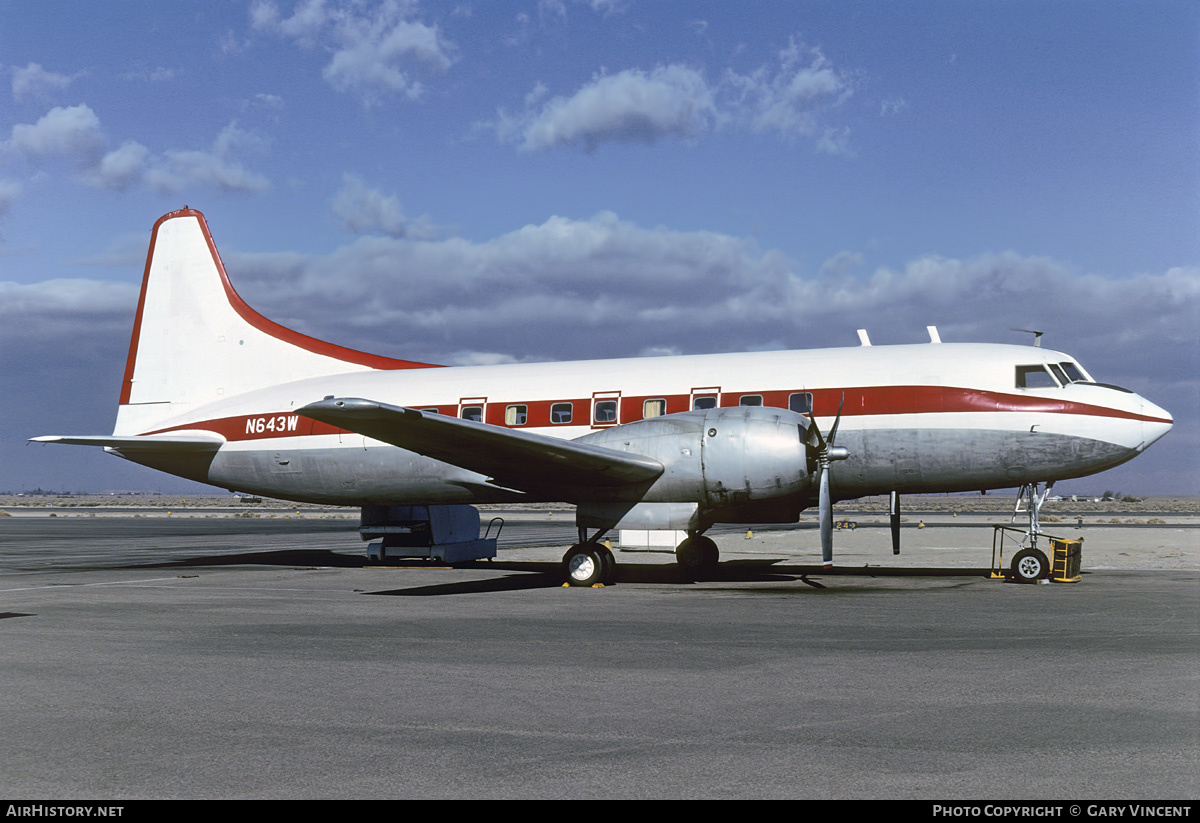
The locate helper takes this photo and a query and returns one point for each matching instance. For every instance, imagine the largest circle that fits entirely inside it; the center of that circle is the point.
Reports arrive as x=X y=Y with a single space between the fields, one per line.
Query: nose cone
x=1156 y=422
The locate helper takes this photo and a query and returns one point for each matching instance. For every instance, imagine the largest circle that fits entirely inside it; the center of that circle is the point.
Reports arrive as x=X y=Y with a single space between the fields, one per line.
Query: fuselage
x=935 y=417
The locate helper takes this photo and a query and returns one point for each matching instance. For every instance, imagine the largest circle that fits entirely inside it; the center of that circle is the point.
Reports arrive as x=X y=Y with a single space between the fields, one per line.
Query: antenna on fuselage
x=1037 y=336
x=863 y=340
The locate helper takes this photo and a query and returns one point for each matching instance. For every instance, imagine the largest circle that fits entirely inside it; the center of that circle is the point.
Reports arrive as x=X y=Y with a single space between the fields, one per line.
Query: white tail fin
x=196 y=342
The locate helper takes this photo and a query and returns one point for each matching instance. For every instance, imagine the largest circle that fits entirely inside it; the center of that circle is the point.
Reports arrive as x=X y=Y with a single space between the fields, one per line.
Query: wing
x=511 y=458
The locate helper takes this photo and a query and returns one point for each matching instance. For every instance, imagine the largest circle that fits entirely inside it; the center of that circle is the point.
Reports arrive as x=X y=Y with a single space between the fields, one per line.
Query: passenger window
x=472 y=413
x=560 y=413
x=750 y=400
x=516 y=415
x=1034 y=377
x=654 y=408
x=704 y=402
x=605 y=411
x=800 y=402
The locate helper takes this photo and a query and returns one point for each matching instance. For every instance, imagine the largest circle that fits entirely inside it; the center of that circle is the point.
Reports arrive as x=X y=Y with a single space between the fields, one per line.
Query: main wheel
x=1030 y=565
x=698 y=555
x=583 y=564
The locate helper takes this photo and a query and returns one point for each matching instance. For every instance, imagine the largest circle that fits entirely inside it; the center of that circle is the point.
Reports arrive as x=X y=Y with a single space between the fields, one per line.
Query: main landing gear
x=697 y=554
x=589 y=562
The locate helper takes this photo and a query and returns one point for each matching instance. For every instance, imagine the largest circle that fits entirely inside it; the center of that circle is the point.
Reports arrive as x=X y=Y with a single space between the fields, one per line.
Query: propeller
x=825 y=453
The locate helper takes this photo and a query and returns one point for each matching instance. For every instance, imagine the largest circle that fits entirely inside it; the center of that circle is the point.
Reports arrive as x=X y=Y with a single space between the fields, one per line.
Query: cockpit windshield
x=1073 y=373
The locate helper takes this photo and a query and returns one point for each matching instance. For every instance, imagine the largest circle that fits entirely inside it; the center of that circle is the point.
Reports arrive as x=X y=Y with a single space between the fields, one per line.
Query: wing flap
x=515 y=459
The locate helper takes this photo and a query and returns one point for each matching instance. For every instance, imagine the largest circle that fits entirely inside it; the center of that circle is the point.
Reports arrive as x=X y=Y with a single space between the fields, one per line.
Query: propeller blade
x=826 y=509
x=824 y=451
x=837 y=420
x=813 y=438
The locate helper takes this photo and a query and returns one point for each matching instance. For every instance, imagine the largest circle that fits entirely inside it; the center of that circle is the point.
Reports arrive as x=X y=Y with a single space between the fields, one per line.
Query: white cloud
x=217 y=167
x=119 y=169
x=306 y=20
x=787 y=98
x=841 y=264
x=33 y=80
x=791 y=98
x=632 y=105
x=36 y=309
x=372 y=52
x=364 y=210
x=71 y=131
x=76 y=132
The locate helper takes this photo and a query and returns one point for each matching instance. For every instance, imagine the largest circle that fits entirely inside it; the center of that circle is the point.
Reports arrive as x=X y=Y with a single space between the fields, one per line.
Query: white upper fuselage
x=964 y=394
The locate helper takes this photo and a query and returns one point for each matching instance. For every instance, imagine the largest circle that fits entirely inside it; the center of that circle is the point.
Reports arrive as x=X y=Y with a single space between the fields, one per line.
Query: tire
x=608 y=564
x=583 y=565
x=697 y=555
x=1030 y=566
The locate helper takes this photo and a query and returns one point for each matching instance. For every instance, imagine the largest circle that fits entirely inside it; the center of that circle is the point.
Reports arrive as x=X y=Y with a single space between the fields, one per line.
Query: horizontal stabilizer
x=198 y=441
x=514 y=459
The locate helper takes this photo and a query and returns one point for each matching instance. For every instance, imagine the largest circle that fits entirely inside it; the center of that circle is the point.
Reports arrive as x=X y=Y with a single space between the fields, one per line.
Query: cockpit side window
x=1059 y=373
x=1034 y=377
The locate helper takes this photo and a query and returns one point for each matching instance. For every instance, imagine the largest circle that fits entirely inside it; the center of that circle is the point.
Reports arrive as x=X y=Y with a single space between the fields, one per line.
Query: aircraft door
x=606 y=409
x=708 y=398
x=473 y=408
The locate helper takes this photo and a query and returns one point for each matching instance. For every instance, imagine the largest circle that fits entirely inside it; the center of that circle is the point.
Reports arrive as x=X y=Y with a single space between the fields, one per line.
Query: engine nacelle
x=723 y=459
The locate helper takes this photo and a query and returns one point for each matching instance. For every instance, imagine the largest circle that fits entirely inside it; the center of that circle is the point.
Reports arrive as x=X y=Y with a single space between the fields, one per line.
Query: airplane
x=217 y=393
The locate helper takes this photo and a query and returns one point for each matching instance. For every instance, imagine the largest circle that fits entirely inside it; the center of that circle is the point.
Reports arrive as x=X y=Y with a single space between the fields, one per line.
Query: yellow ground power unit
x=1065 y=554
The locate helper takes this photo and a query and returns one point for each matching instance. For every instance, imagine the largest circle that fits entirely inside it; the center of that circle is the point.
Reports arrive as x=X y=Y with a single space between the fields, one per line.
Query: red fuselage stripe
x=858 y=402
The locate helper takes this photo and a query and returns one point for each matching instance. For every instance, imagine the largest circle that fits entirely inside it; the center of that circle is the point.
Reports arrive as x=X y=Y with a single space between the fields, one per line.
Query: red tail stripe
x=252 y=317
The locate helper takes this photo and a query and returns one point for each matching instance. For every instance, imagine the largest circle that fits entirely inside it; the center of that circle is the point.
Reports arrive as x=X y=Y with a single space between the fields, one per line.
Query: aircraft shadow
x=286 y=557
x=537 y=575
x=522 y=575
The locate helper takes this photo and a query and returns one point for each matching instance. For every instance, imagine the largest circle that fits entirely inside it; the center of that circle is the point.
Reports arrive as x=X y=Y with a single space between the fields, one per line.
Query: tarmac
x=180 y=656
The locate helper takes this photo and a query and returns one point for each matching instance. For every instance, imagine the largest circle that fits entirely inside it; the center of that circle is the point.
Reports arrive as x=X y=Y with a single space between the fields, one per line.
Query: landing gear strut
x=1031 y=564
x=589 y=562
x=1033 y=500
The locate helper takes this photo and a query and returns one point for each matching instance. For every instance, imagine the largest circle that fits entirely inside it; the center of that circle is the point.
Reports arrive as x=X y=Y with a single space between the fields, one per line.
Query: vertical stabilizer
x=195 y=341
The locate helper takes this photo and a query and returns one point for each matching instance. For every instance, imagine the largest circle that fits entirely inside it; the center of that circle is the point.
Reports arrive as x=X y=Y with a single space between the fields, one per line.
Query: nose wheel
x=1030 y=565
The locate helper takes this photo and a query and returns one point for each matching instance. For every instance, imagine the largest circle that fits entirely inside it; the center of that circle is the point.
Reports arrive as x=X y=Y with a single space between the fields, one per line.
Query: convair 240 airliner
x=217 y=393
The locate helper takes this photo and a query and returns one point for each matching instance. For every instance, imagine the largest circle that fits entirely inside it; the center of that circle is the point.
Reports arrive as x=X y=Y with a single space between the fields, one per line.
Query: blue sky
x=493 y=182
